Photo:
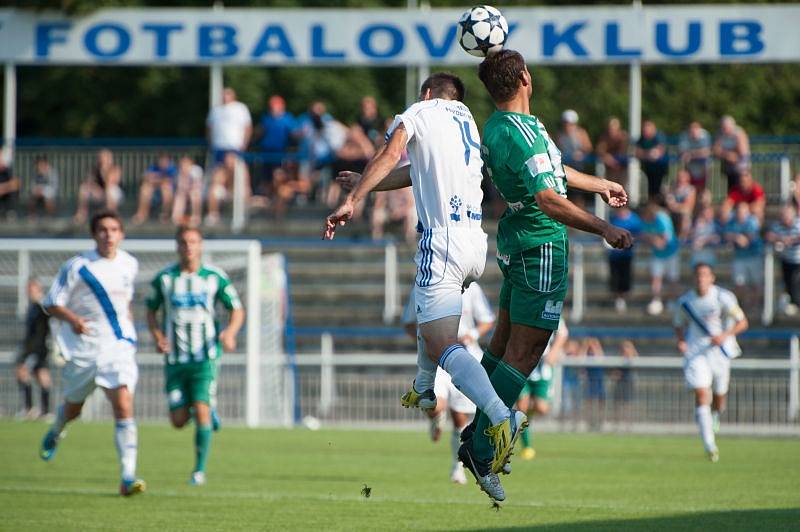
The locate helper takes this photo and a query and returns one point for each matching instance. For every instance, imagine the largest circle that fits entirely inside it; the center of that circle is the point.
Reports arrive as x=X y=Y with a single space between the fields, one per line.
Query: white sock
x=426 y=368
x=126 y=438
x=715 y=416
x=455 y=443
x=703 y=417
x=471 y=379
x=60 y=421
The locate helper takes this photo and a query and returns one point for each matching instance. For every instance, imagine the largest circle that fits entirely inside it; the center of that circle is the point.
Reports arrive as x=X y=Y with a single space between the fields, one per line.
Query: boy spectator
x=576 y=148
x=785 y=236
x=705 y=237
x=659 y=233
x=651 y=150
x=595 y=384
x=44 y=189
x=612 y=150
x=321 y=137
x=188 y=191
x=620 y=261
x=9 y=189
x=102 y=186
x=370 y=121
x=743 y=233
x=159 y=176
x=746 y=191
x=624 y=384
x=695 y=151
x=732 y=148
x=571 y=385
x=275 y=138
x=353 y=156
x=681 y=200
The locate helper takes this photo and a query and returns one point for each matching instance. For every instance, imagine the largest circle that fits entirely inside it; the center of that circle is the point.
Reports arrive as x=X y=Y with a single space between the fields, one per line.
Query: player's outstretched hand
x=338 y=217
x=348 y=180
x=614 y=195
x=617 y=237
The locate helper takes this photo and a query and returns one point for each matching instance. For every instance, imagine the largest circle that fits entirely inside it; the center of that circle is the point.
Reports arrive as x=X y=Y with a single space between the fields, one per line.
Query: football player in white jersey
x=91 y=299
x=477 y=319
x=707 y=321
x=443 y=147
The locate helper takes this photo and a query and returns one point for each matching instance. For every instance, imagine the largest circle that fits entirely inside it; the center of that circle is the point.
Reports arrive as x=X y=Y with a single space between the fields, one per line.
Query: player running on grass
x=187 y=294
x=91 y=298
x=532 y=245
x=707 y=321
x=445 y=173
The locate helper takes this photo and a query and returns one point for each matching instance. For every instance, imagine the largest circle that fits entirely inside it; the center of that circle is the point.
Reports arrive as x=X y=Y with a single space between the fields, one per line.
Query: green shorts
x=539 y=384
x=535 y=284
x=189 y=383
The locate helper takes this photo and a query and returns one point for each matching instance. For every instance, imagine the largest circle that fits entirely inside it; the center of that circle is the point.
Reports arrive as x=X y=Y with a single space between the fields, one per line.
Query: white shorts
x=748 y=271
x=669 y=268
x=445 y=389
x=711 y=370
x=448 y=259
x=82 y=376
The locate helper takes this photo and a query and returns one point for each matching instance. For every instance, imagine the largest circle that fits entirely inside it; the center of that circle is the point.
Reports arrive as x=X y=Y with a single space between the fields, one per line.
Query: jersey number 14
x=466 y=138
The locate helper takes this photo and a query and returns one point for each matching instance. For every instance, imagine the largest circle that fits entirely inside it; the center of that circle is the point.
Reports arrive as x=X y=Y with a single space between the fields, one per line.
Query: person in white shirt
x=229 y=128
x=707 y=321
x=443 y=146
x=90 y=299
x=477 y=319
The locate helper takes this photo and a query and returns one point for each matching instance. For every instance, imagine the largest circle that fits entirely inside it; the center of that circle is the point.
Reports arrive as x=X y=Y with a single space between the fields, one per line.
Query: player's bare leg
x=705 y=422
x=126 y=438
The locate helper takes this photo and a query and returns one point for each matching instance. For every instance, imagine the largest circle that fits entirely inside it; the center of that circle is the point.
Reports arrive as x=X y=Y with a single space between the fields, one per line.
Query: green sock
x=489 y=363
x=526 y=438
x=507 y=382
x=202 y=442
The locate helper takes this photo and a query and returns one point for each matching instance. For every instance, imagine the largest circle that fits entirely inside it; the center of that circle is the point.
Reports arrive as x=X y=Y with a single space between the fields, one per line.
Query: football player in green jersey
x=532 y=245
x=187 y=293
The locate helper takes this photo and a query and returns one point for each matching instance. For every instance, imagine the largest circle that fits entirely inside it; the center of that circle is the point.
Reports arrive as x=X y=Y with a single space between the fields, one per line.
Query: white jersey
x=100 y=291
x=707 y=316
x=475 y=309
x=444 y=152
x=228 y=123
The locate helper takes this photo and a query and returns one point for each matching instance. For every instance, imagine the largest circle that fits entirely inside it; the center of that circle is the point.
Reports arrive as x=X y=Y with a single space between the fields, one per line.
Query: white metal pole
x=786 y=179
x=216 y=78
x=599 y=205
x=239 y=211
x=794 y=378
x=768 y=313
x=326 y=382
x=412 y=90
x=578 y=285
x=391 y=290
x=9 y=112
x=253 y=354
x=23 y=273
x=635 y=121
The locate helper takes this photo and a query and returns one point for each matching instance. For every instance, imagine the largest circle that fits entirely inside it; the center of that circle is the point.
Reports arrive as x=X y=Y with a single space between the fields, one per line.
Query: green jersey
x=522 y=160
x=188 y=300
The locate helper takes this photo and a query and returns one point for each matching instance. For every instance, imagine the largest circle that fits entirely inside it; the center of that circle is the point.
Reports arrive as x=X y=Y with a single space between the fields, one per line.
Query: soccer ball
x=482 y=31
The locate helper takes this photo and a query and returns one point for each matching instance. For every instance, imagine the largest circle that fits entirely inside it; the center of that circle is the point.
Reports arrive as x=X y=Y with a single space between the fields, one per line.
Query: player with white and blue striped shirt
x=91 y=300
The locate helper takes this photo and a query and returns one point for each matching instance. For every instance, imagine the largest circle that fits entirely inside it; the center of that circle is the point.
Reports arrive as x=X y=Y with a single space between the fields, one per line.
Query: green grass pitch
x=301 y=480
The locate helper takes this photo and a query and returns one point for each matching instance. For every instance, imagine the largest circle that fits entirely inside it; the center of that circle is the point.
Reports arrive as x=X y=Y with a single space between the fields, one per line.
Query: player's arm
x=160 y=339
x=378 y=168
x=612 y=193
x=731 y=309
x=79 y=325
x=679 y=324
x=398 y=178
x=55 y=304
x=560 y=208
x=227 y=336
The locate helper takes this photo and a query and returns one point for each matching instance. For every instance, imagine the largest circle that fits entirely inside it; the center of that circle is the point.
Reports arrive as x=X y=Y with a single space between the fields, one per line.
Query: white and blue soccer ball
x=482 y=31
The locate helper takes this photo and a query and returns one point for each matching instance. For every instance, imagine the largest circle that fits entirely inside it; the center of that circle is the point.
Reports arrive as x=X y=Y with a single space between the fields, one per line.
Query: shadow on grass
x=772 y=520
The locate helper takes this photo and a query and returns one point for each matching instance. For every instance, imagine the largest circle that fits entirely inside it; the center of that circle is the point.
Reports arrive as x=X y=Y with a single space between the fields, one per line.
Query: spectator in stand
x=612 y=151
x=681 y=200
x=651 y=150
x=274 y=138
x=576 y=148
x=659 y=233
x=159 y=176
x=370 y=121
x=321 y=137
x=795 y=185
x=743 y=232
x=102 y=186
x=620 y=261
x=288 y=187
x=229 y=128
x=394 y=207
x=705 y=237
x=624 y=383
x=353 y=156
x=595 y=384
x=732 y=148
x=571 y=385
x=695 y=150
x=785 y=236
x=188 y=191
x=746 y=191
x=9 y=189
x=44 y=189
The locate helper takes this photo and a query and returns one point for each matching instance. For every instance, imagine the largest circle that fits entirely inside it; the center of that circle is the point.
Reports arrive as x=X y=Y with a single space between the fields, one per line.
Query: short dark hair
x=183 y=229
x=102 y=215
x=500 y=74
x=701 y=264
x=444 y=85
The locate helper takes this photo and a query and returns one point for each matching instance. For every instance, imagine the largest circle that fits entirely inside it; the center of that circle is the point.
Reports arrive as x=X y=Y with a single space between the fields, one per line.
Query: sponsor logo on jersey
x=189 y=299
x=516 y=205
x=455 y=204
x=539 y=164
x=506 y=259
x=552 y=310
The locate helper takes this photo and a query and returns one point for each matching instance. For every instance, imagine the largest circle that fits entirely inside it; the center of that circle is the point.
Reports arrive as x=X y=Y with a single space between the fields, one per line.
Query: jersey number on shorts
x=466 y=138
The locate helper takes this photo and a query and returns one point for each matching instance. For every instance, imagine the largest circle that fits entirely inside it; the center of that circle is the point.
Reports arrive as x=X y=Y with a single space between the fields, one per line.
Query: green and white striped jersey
x=188 y=300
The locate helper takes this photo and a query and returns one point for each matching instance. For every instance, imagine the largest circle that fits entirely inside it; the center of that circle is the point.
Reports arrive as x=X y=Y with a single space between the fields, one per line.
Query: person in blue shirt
x=743 y=232
x=659 y=233
x=159 y=176
x=275 y=138
x=620 y=261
